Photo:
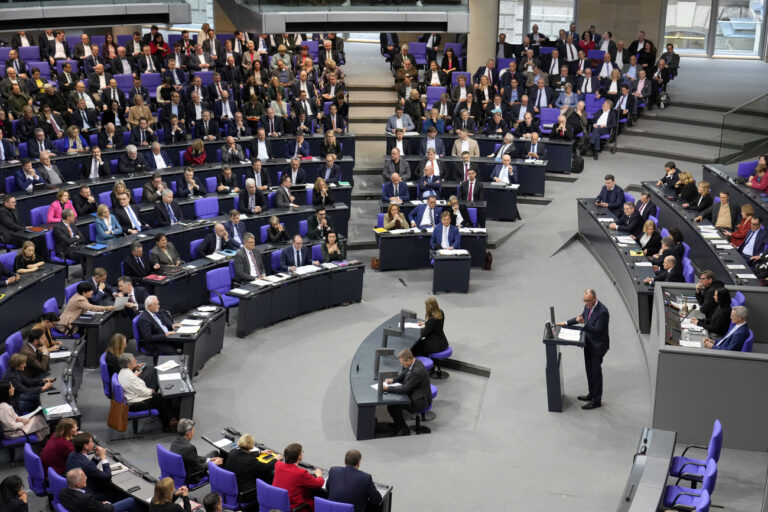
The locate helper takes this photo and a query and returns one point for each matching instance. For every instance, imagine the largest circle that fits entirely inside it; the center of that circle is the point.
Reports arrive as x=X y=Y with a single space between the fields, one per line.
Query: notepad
x=188 y=329
x=452 y=252
x=58 y=409
x=216 y=256
x=605 y=219
x=569 y=334
x=643 y=264
x=736 y=267
x=169 y=376
x=61 y=354
x=746 y=276
x=221 y=443
x=168 y=365
x=206 y=308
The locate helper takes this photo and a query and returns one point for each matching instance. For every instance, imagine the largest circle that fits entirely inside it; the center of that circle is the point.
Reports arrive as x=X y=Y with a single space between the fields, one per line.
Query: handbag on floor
x=118 y=416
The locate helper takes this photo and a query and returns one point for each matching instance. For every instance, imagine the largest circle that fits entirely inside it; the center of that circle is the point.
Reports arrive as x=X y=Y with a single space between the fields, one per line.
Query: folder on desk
x=379 y=230
x=156 y=277
x=636 y=252
x=33 y=229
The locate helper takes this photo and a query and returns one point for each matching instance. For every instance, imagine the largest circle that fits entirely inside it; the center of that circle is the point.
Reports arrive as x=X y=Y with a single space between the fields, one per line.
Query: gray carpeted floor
x=494 y=445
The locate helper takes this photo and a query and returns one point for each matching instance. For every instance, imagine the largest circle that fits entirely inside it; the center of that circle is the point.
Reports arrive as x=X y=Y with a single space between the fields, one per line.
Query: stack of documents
x=207 y=309
x=625 y=239
x=472 y=230
x=260 y=282
x=215 y=256
x=605 y=219
x=452 y=252
x=276 y=278
x=569 y=334
x=61 y=354
x=328 y=266
x=306 y=269
x=168 y=365
x=239 y=291
x=188 y=329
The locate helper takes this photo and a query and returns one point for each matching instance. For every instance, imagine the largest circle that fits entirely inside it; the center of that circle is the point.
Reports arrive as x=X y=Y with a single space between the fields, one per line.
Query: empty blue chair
x=10 y=184
x=472 y=215
x=206 y=207
x=4 y=357
x=219 y=282
x=746 y=169
x=70 y=290
x=105 y=198
x=38 y=215
x=23 y=152
x=419 y=52
x=422 y=415
x=104 y=372
x=225 y=483
x=323 y=505
x=433 y=94
x=13 y=343
x=317 y=253
x=380 y=220
x=29 y=53
x=664 y=232
x=210 y=183
x=56 y=484
x=35 y=473
x=693 y=469
x=303 y=227
x=654 y=219
x=193 y=246
x=271 y=199
x=629 y=198
x=738 y=299
x=11 y=444
x=427 y=362
x=747 y=347
x=118 y=395
x=686 y=498
x=686 y=250
x=50 y=246
x=546 y=50
x=263 y=233
x=172 y=465
x=8 y=259
x=271 y=497
x=688 y=272
x=136 y=194
x=274 y=259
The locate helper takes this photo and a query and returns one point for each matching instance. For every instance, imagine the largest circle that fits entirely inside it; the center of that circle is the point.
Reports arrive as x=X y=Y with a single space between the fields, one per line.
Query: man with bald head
x=593 y=321
x=219 y=240
x=76 y=497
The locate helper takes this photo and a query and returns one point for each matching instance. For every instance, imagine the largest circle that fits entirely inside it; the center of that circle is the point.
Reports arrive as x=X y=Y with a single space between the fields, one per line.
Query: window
x=551 y=16
x=739 y=27
x=687 y=25
x=511 y=15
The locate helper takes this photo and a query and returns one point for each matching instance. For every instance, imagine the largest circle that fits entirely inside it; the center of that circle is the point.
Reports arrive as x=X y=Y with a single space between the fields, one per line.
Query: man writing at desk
x=445 y=236
x=413 y=381
x=296 y=256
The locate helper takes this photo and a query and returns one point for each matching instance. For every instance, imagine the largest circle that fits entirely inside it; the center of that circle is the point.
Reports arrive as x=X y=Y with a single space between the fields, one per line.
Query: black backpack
x=663 y=99
x=577 y=163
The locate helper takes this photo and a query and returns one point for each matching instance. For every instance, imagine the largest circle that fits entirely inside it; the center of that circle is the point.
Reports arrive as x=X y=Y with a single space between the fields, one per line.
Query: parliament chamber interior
x=247 y=248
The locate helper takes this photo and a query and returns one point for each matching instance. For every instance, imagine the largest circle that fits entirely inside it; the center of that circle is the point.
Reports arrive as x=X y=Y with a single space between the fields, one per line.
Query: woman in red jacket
x=301 y=486
x=195 y=154
x=59 y=446
x=759 y=181
x=159 y=48
x=586 y=42
x=740 y=233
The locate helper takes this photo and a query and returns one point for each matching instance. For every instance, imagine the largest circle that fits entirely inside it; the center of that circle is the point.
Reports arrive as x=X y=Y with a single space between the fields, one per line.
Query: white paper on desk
x=273 y=279
x=191 y=321
x=30 y=414
x=59 y=409
x=244 y=216
x=711 y=235
x=190 y=267
x=643 y=264
x=412 y=134
x=215 y=256
x=415 y=203
x=412 y=325
x=690 y=344
x=306 y=269
x=61 y=354
x=569 y=334
x=169 y=376
x=723 y=247
x=221 y=443
x=398 y=231
x=736 y=266
x=120 y=303
x=188 y=329
x=606 y=219
x=207 y=308
x=625 y=239
x=168 y=365
x=393 y=385
x=452 y=252
x=513 y=186
x=240 y=291
x=707 y=228
x=746 y=276
x=328 y=266
x=260 y=282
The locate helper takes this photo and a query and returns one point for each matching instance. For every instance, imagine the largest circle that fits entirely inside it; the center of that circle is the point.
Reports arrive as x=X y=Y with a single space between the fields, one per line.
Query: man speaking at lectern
x=595 y=319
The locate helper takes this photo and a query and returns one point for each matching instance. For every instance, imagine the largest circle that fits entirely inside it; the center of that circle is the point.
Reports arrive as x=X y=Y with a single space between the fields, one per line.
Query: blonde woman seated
x=13 y=425
x=321 y=195
x=26 y=259
x=139 y=110
x=75 y=143
x=166 y=494
x=393 y=219
x=106 y=224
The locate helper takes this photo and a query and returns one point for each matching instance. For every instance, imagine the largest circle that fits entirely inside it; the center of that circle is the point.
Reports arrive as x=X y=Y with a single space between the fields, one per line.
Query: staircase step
x=682 y=133
x=708 y=118
x=365 y=96
x=376 y=113
x=367 y=130
x=699 y=153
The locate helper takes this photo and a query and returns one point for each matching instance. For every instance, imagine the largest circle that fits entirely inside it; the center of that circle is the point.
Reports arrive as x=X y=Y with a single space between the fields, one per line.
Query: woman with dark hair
x=13 y=425
x=59 y=446
x=450 y=64
x=109 y=45
x=432 y=337
x=646 y=58
x=333 y=248
x=159 y=47
x=45 y=323
x=720 y=319
x=78 y=304
x=115 y=114
x=586 y=43
x=678 y=248
x=13 y=497
x=164 y=253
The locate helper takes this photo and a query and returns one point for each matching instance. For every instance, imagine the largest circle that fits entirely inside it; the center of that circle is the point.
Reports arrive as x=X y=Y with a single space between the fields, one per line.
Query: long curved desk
x=22 y=302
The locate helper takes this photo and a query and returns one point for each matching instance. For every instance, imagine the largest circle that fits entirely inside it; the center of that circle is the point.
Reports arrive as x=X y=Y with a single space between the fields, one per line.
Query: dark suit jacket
x=150 y=331
x=418 y=212
x=242 y=265
x=713 y=211
x=478 y=191
x=735 y=341
x=760 y=241
x=415 y=384
x=161 y=213
x=454 y=239
x=117 y=65
x=193 y=463
x=99 y=477
x=231 y=230
x=150 y=158
x=650 y=209
x=350 y=485
x=125 y=220
x=136 y=137
x=126 y=165
x=632 y=224
x=670 y=276
x=117 y=140
x=248 y=468
x=213 y=129
x=595 y=328
x=73 y=499
x=259 y=200
x=63 y=241
x=34 y=148
x=141 y=62
x=208 y=246
x=614 y=198
x=288 y=257
x=465 y=220
x=9 y=220
x=134 y=270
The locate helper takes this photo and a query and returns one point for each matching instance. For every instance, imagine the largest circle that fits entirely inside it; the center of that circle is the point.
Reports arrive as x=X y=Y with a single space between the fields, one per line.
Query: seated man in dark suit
x=137 y=295
x=645 y=206
x=611 y=196
x=330 y=171
x=101 y=289
x=297 y=174
x=350 y=485
x=195 y=466
x=459 y=213
x=298 y=147
x=136 y=265
x=191 y=185
x=219 y=240
x=737 y=334
x=631 y=222
x=296 y=255
x=26 y=178
x=425 y=215
x=504 y=172
x=445 y=236
x=471 y=189
x=670 y=272
x=755 y=241
x=66 y=235
x=226 y=181
x=96 y=468
x=127 y=215
x=251 y=198
x=247 y=262
x=235 y=228
x=535 y=148
x=77 y=497
x=167 y=212
x=414 y=382
x=10 y=225
x=319 y=224
x=131 y=161
x=155 y=326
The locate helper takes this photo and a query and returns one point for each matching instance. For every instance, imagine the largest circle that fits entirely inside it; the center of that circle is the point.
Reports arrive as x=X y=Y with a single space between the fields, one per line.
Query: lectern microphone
x=381 y=378
x=381 y=352
x=386 y=333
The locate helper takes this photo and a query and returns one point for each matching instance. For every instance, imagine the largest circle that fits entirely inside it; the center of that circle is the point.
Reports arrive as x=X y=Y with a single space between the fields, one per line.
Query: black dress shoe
x=596 y=153
x=584 y=398
x=591 y=405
